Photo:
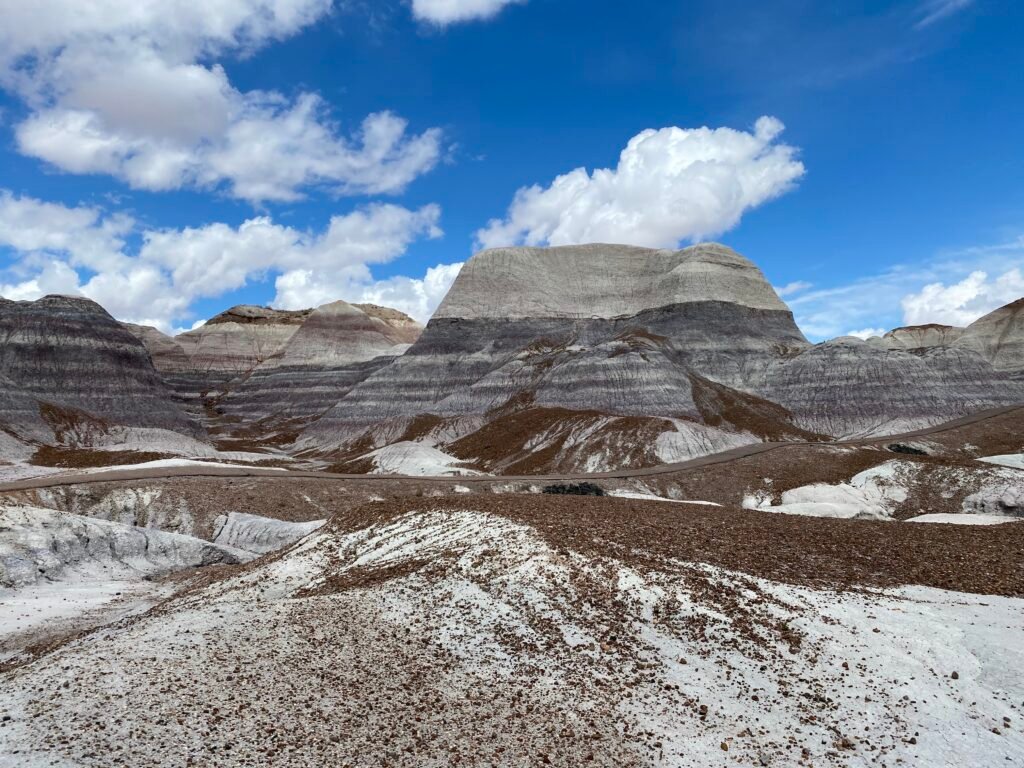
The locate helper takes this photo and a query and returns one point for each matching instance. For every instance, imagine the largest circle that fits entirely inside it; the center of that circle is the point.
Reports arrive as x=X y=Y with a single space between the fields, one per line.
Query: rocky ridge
x=585 y=358
x=251 y=373
x=577 y=358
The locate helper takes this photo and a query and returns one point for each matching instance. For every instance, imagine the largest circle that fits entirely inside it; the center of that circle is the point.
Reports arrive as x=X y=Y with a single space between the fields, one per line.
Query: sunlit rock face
x=256 y=365
x=847 y=387
x=337 y=346
x=607 y=329
x=74 y=376
x=999 y=338
x=694 y=345
x=922 y=336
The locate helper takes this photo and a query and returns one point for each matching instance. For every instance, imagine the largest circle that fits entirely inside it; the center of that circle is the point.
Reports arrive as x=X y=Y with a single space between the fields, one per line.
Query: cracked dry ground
x=534 y=630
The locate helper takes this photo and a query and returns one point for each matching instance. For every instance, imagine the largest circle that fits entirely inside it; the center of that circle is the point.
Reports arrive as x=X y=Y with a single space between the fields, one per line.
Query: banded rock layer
x=999 y=338
x=74 y=376
x=337 y=346
x=848 y=388
x=922 y=336
x=605 y=330
x=598 y=356
x=253 y=374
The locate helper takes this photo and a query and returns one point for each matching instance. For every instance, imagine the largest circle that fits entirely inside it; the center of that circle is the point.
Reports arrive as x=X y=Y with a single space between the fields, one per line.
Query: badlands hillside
x=609 y=507
x=574 y=359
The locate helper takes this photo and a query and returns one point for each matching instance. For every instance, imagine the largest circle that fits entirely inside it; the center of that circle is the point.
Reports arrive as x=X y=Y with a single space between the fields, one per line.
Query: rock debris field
x=479 y=629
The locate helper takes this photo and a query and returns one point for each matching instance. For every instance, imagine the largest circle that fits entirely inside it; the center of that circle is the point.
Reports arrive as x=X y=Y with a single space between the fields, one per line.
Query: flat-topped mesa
x=999 y=338
x=237 y=340
x=606 y=329
x=339 y=333
x=74 y=367
x=338 y=345
x=602 y=281
x=924 y=336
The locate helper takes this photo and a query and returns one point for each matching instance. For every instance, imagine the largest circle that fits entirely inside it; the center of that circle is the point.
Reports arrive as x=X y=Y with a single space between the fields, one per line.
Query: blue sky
x=169 y=160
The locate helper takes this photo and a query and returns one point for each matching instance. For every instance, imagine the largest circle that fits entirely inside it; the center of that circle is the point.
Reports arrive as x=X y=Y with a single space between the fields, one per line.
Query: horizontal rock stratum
x=574 y=358
x=602 y=281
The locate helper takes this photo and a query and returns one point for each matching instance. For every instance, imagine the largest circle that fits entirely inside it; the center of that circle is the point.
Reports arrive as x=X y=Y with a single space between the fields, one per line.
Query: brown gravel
x=822 y=552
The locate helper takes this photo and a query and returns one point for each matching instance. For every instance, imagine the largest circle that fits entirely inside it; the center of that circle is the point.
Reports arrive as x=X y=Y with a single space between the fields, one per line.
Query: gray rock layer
x=922 y=336
x=68 y=368
x=703 y=310
x=850 y=388
x=45 y=545
x=587 y=281
x=999 y=338
x=337 y=346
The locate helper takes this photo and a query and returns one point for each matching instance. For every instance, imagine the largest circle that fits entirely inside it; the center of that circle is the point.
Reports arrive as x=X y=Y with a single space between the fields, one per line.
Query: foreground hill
x=536 y=630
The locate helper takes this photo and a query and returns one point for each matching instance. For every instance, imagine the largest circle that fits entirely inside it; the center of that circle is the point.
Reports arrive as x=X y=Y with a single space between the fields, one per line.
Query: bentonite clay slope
x=75 y=376
x=238 y=340
x=165 y=352
x=999 y=338
x=337 y=346
x=201 y=364
x=608 y=330
x=522 y=631
x=606 y=281
x=851 y=388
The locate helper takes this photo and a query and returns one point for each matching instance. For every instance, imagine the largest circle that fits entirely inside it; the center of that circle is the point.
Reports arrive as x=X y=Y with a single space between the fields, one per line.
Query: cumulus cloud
x=866 y=333
x=445 y=12
x=418 y=298
x=132 y=89
x=82 y=250
x=670 y=185
x=964 y=302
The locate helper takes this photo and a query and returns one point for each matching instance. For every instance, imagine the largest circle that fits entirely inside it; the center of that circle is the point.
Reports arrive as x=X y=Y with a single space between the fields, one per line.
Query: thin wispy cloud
x=955 y=289
x=934 y=11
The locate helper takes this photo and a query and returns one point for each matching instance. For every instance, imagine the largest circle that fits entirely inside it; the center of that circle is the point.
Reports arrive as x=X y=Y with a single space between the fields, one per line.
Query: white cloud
x=670 y=185
x=445 y=12
x=54 y=245
x=932 y=11
x=132 y=89
x=953 y=288
x=964 y=302
x=789 y=289
x=418 y=298
x=87 y=237
x=866 y=333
